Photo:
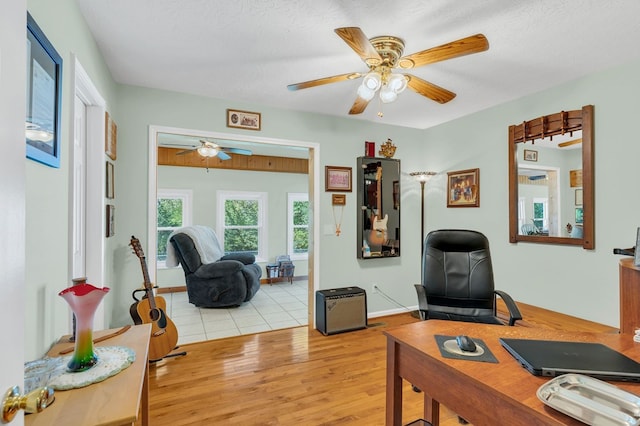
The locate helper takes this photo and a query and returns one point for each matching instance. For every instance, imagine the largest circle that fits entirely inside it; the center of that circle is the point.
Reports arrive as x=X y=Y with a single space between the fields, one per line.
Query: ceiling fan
x=383 y=54
x=210 y=149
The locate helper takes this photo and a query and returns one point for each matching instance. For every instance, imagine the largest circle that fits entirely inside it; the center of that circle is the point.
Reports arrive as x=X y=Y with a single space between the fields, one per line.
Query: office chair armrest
x=514 y=312
x=422 y=301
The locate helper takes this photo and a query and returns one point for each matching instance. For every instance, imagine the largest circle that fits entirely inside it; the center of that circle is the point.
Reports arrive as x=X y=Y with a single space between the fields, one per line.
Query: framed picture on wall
x=111 y=221
x=110 y=136
x=530 y=155
x=337 y=179
x=244 y=119
x=44 y=97
x=463 y=188
x=110 y=190
x=579 y=215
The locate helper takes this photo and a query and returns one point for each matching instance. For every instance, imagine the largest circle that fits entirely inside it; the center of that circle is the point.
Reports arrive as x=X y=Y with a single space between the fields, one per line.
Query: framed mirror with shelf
x=378 y=193
x=551 y=197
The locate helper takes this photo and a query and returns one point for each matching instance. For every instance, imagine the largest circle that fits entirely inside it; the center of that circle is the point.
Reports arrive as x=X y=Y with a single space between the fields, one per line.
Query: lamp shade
x=372 y=81
x=207 y=151
x=365 y=93
x=387 y=94
x=397 y=83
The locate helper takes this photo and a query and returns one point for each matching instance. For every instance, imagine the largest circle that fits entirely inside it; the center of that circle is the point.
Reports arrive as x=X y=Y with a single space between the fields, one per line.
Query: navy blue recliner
x=213 y=280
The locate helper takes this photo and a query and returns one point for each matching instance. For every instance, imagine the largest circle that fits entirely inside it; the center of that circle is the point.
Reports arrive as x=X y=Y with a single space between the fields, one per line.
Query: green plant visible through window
x=170 y=217
x=300 y=227
x=539 y=216
x=241 y=226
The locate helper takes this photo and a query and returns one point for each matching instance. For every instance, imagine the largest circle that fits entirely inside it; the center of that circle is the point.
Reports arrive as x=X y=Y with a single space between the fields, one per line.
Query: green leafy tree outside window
x=241 y=226
x=169 y=218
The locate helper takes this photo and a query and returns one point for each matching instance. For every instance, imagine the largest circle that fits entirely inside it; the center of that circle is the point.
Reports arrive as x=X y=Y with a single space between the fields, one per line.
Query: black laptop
x=553 y=358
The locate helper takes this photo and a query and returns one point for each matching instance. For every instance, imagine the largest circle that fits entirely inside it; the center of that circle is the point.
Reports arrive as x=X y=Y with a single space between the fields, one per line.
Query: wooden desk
x=115 y=401
x=482 y=393
x=629 y=296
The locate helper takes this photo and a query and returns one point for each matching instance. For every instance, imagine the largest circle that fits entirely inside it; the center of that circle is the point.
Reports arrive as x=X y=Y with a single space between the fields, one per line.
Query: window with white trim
x=298 y=225
x=541 y=213
x=174 y=211
x=241 y=222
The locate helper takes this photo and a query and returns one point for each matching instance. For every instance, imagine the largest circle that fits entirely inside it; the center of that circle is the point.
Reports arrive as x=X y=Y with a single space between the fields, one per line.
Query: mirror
x=551 y=197
x=379 y=200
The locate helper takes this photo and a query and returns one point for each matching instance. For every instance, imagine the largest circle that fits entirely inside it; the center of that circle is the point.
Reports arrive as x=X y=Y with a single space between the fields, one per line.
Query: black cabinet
x=378 y=194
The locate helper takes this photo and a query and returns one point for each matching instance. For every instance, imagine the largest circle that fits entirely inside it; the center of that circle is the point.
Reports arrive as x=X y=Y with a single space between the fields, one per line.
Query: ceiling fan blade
x=465 y=46
x=358 y=41
x=223 y=156
x=326 y=80
x=429 y=90
x=237 y=151
x=569 y=143
x=186 y=151
x=359 y=106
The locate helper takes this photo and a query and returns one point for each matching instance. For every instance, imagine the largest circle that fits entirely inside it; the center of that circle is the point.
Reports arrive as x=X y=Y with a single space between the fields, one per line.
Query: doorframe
x=95 y=178
x=314 y=198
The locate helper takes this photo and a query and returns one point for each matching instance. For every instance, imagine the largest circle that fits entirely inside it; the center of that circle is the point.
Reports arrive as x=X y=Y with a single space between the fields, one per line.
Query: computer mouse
x=466 y=344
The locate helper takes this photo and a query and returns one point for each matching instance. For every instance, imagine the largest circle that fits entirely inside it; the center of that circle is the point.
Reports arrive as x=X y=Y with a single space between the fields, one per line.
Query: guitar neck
x=147 y=282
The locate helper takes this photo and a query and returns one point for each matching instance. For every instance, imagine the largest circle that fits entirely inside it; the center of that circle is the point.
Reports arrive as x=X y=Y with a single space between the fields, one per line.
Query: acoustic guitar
x=151 y=310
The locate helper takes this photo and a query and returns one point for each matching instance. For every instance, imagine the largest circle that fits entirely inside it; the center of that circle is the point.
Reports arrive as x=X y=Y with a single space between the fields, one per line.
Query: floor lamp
x=422 y=177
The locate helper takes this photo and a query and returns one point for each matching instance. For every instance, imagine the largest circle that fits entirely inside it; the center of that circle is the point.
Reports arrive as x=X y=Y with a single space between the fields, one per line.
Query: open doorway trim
x=314 y=197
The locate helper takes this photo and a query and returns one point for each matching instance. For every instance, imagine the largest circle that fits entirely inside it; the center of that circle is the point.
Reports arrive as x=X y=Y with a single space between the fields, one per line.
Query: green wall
x=567 y=279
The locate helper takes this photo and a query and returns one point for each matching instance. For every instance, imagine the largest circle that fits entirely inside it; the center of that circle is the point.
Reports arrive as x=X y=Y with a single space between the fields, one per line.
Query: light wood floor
x=296 y=377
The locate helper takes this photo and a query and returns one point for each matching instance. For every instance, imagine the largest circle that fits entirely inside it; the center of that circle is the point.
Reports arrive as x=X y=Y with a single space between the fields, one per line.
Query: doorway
x=313 y=191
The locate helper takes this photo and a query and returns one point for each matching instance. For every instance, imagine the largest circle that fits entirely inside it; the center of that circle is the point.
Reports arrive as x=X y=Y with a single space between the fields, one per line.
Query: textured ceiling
x=250 y=50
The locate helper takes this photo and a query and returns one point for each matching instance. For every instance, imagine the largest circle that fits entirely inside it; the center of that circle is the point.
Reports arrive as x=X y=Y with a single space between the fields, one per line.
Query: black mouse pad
x=449 y=349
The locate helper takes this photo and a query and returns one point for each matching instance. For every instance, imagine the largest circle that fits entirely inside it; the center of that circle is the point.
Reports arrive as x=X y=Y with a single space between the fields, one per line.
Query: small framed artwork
x=575 y=178
x=338 y=199
x=110 y=136
x=44 y=97
x=337 y=179
x=530 y=155
x=578 y=197
x=110 y=192
x=244 y=119
x=579 y=215
x=463 y=188
x=111 y=221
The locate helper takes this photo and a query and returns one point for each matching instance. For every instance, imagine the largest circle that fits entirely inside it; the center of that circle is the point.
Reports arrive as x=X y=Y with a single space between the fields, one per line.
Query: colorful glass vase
x=83 y=300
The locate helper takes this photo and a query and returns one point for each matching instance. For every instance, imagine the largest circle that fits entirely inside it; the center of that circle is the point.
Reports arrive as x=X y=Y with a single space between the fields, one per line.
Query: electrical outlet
x=375 y=289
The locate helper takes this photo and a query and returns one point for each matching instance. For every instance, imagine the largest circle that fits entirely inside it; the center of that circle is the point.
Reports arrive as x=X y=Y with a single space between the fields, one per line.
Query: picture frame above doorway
x=244 y=119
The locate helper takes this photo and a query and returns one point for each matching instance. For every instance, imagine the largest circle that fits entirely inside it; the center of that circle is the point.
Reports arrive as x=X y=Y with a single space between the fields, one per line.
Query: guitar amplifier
x=341 y=309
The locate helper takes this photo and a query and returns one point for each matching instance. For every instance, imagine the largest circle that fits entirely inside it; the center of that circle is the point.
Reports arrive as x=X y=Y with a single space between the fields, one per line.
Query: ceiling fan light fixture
x=365 y=93
x=387 y=94
x=207 y=151
x=372 y=81
x=397 y=82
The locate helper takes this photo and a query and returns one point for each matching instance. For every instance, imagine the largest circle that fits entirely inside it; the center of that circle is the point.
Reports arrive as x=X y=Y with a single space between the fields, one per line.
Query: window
x=540 y=219
x=174 y=211
x=241 y=220
x=298 y=225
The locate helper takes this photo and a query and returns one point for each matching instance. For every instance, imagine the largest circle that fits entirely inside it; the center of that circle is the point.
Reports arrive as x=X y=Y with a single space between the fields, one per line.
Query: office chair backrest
x=457 y=273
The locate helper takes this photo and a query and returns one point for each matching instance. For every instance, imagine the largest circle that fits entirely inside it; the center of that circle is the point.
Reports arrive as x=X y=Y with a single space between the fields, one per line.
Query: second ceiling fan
x=383 y=54
x=209 y=149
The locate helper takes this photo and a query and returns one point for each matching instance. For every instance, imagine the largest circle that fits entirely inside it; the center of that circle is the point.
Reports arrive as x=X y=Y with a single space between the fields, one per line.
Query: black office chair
x=457 y=279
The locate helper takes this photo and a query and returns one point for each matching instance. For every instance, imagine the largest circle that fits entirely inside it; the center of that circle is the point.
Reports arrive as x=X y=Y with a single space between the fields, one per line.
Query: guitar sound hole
x=154 y=314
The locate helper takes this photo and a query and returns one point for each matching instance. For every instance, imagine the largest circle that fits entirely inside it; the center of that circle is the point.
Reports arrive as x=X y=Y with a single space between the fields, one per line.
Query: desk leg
x=145 y=397
x=394 y=386
x=431 y=410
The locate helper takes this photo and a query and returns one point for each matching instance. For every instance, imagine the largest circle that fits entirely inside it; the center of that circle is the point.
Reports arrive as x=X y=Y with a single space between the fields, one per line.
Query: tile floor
x=275 y=306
